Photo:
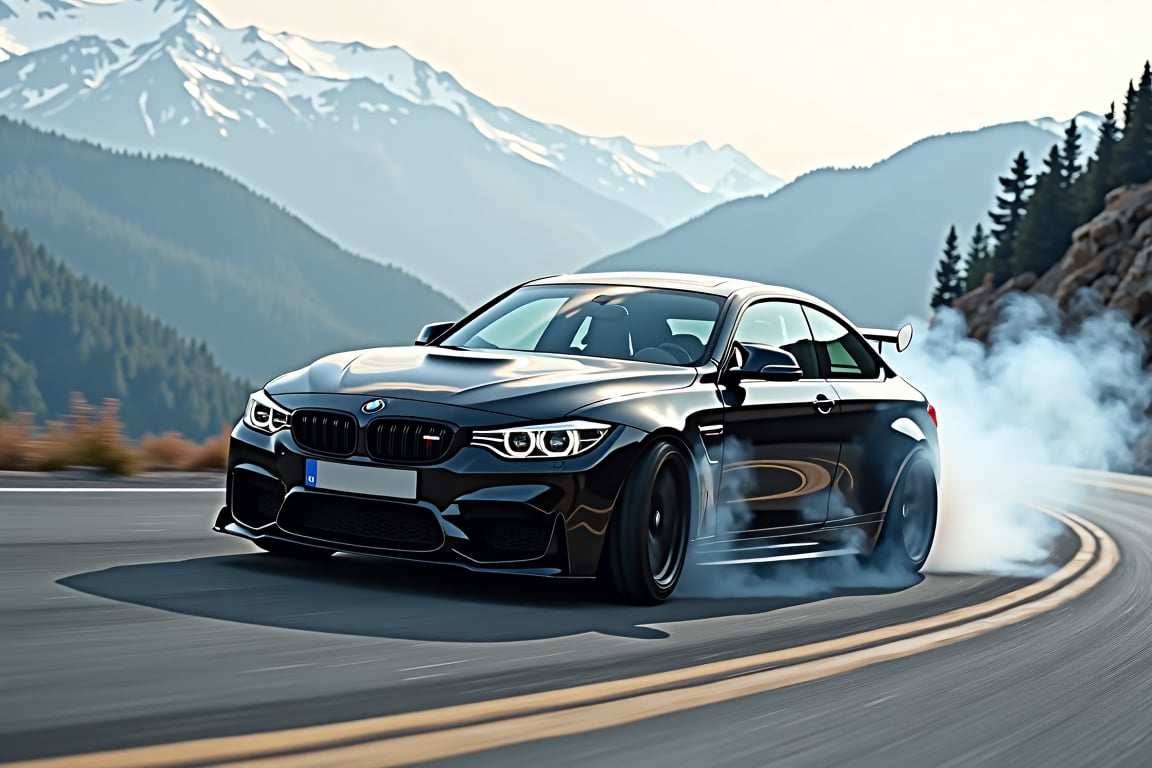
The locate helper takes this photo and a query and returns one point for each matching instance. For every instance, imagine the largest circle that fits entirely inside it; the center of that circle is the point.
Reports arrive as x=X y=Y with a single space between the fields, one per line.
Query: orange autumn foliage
x=92 y=436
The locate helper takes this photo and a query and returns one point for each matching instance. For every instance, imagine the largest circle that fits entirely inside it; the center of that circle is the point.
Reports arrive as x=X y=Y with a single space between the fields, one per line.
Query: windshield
x=621 y=322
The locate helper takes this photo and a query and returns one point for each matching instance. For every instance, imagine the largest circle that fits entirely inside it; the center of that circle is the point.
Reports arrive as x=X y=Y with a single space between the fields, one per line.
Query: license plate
x=352 y=478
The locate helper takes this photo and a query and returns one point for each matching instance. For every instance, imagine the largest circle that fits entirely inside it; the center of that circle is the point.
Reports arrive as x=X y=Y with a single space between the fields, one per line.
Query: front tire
x=294 y=551
x=648 y=535
x=910 y=524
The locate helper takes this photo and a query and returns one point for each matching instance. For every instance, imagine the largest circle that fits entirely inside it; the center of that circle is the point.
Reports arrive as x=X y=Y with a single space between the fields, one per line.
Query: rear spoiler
x=901 y=337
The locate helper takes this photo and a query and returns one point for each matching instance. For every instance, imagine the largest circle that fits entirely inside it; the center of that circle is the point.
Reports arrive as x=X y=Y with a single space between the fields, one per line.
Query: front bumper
x=474 y=508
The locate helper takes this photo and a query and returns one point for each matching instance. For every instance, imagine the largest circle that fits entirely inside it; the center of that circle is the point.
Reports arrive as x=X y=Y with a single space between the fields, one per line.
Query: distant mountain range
x=202 y=253
x=866 y=239
x=374 y=148
x=61 y=334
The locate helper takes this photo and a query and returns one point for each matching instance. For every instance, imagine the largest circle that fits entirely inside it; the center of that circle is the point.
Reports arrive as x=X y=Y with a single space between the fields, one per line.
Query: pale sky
x=796 y=85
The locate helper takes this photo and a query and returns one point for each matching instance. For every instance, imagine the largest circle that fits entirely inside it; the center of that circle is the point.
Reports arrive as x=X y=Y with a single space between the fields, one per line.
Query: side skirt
x=852 y=536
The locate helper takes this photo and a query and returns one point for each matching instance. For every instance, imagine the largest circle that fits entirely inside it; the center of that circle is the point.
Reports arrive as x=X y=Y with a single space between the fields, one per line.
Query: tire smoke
x=1043 y=393
x=800 y=578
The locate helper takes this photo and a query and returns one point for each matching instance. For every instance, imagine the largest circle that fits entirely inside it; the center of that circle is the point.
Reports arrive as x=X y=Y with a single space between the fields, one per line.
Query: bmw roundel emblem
x=372 y=406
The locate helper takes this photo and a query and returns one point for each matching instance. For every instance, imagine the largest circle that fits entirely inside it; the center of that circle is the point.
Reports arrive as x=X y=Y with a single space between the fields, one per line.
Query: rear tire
x=647 y=542
x=910 y=524
x=293 y=551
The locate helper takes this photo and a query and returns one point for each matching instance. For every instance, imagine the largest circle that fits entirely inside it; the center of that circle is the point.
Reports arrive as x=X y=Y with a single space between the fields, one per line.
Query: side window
x=781 y=324
x=844 y=354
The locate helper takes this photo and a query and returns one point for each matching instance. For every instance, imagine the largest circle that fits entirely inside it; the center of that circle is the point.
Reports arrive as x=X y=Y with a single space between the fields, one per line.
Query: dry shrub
x=94 y=437
x=17 y=443
x=213 y=454
x=167 y=451
x=171 y=451
x=90 y=437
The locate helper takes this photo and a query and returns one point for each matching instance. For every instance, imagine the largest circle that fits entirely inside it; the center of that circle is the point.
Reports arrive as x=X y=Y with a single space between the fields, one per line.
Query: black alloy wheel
x=910 y=523
x=648 y=535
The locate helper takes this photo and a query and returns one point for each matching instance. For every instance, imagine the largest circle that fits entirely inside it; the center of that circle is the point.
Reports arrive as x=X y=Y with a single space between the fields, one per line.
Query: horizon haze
x=794 y=86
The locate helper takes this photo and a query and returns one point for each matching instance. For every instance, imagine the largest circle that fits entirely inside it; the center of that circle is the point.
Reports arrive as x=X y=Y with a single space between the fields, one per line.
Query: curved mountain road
x=125 y=624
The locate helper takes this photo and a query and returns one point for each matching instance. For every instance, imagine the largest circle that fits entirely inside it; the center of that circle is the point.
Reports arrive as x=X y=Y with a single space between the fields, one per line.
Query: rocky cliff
x=1111 y=254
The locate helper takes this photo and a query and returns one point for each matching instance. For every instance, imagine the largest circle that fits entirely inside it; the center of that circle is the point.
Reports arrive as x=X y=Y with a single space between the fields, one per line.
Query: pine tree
x=949 y=280
x=1134 y=151
x=979 y=256
x=1046 y=230
x=1011 y=206
x=1129 y=103
x=1143 y=125
x=1070 y=154
x=1100 y=176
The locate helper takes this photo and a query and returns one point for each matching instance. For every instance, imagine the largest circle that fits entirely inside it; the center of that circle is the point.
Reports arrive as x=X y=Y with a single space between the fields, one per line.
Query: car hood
x=520 y=384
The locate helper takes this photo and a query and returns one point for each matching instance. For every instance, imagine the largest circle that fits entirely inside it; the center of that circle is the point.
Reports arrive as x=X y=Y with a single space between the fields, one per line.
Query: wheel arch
x=918 y=450
x=702 y=484
x=628 y=534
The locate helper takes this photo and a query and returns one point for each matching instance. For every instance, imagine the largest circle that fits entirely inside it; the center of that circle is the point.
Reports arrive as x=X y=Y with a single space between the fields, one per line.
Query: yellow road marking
x=1114 y=486
x=407 y=750
x=1140 y=484
x=641 y=694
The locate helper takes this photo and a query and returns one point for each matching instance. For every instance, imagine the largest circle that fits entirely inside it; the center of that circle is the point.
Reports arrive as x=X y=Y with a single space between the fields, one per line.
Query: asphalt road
x=125 y=622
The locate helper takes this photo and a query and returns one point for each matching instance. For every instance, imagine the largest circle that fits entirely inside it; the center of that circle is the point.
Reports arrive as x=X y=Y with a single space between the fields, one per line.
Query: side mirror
x=760 y=362
x=432 y=331
x=903 y=337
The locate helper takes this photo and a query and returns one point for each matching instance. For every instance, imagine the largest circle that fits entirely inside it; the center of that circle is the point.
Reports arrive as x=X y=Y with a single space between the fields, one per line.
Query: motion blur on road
x=197 y=196
x=126 y=626
x=132 y=637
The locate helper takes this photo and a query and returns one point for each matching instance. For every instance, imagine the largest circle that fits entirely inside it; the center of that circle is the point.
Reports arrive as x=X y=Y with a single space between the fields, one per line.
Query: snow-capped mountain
x=383 y=152
x=1088 y=124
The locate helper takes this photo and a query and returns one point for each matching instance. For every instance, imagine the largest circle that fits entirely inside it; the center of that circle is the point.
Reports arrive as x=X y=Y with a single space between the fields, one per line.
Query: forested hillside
x=206 y=255
x=61 y=334
x=1036 y=212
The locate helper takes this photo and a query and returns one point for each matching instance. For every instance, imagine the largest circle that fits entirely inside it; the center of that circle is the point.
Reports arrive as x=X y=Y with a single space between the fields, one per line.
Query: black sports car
x=608 y=425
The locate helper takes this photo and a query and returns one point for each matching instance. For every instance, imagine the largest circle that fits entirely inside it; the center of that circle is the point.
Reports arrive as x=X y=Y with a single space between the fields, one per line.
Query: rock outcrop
x=1111 y=254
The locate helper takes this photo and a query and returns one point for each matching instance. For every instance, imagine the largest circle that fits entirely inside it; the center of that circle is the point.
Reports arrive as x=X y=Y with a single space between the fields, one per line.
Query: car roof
x=719 y=286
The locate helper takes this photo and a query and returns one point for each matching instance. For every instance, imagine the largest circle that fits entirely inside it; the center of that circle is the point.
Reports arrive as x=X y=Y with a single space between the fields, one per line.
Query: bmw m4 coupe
x=620 y=426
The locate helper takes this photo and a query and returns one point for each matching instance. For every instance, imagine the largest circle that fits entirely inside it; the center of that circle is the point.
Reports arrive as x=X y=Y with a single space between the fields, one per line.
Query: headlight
x=542 y=441
x=265 y=416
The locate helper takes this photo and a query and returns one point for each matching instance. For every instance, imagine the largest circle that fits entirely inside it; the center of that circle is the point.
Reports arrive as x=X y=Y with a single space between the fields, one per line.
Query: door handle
x=823 y=404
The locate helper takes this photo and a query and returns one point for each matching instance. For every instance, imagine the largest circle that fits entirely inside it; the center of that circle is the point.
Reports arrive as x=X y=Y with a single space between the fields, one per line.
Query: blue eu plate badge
x=310 y=473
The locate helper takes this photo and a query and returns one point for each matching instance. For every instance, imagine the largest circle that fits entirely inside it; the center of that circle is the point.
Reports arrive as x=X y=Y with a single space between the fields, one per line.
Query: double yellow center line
x=437 y=734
